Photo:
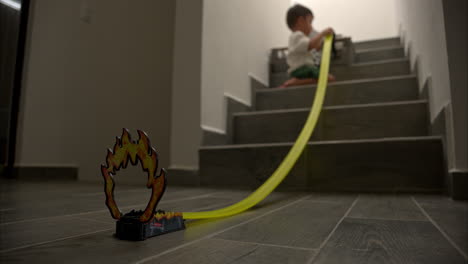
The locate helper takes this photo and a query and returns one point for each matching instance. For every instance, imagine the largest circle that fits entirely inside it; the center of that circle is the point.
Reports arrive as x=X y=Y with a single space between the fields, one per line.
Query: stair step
x=378 y=43
x=368 y=70
x=370 y=55
x=413 y=164
x=281 y=66
x=365 y=55
x=372 y=69
x=377 y=90
x=396 y=119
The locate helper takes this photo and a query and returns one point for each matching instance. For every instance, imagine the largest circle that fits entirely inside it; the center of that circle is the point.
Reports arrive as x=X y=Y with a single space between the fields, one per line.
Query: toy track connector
x=129 y=227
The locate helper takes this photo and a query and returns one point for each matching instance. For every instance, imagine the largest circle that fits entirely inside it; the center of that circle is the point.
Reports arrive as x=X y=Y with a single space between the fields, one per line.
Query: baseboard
x=183 y=177
x=456 y=185
x=456 y=181
x=256 y=82
x=49 y=173
x=459 y=185
x=213 y=137
x=255 y=85
x=233 y=106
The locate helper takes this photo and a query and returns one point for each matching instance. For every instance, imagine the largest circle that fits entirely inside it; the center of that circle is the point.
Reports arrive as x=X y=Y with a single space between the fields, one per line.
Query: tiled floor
x=68 y=222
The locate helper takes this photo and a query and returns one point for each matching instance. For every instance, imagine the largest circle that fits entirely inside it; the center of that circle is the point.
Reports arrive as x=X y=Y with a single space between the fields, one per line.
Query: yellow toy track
x=286 y=165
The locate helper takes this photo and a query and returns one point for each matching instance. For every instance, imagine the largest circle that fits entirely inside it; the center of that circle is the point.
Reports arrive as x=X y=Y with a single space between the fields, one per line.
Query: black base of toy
x=129 y=226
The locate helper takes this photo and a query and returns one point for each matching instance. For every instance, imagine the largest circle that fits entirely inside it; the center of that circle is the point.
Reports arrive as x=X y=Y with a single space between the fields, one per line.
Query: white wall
x=440 y=52
x=237 y=38
x=359 y=19
x=422 y=26
x=85 y=81
x=186 y=88
x=423 y=31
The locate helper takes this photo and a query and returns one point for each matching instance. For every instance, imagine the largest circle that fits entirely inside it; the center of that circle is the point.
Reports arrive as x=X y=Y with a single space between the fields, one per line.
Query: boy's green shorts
x=305 y=72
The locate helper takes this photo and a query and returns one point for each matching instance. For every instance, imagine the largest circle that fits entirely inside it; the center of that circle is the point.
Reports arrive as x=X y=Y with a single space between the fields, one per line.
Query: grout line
x=220 y=231
x=106 y=210
x=52 y=241
x=267 y=245
x=7 y=209
x=334 y=229
x=387 y=219
x=93 y=220
x=440 y=229
x=324 y=202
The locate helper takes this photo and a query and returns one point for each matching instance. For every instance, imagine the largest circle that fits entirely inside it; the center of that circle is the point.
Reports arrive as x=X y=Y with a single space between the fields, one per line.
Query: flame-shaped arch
x=124 y=150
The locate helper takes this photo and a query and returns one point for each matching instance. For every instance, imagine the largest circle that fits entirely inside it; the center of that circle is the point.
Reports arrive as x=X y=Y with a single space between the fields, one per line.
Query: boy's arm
x=316 y=42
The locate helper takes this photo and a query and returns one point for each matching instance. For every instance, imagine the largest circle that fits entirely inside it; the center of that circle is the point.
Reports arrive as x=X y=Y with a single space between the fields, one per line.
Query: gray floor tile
x=305 y=224
x=29 y=203
x=225 y=251
x=104 y=248
x=451 y=216
x=22 y=234
x=79 y=228
x=201 y=204
x=391 y=207
x=387 y=241
x=343 y=198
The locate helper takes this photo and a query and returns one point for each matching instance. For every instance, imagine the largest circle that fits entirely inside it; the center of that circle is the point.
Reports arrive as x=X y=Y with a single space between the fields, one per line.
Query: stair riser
x=380 y=43
x=282 y=66
x=387 y=166
x=384 y=54
x=357 y=71
x=363 y=71
x=354 y=93
x=369 y=166
x=247 y=167
x=398 y=120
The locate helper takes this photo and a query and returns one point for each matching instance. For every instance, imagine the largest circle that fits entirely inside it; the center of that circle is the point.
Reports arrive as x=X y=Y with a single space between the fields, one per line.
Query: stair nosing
x=361 y=64
x=339 y=83
x=359 y=51
x=349 y=106
x=379 y=62
x=326 y=142
x=377 y=39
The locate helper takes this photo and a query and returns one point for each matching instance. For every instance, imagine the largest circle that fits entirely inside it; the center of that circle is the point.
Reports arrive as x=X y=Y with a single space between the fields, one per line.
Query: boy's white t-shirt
x=298 y=52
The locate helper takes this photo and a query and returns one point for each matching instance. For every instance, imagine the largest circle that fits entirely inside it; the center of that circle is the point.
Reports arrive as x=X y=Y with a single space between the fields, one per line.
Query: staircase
x=372 y=136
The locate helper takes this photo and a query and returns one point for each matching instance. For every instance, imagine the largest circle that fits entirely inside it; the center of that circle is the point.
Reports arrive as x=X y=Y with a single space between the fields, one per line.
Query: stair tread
x=375 y=62
x=378 y=49
x=325 y=142
x=295 y=110
x=359 y=64
x=337 y=83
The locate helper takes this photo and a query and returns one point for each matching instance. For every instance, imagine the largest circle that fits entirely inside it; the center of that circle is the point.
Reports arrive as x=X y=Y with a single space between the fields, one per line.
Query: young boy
x=303 y=62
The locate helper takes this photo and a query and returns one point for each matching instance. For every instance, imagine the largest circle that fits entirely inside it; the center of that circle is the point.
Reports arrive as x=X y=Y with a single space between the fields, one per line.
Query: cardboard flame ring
x=124 y=150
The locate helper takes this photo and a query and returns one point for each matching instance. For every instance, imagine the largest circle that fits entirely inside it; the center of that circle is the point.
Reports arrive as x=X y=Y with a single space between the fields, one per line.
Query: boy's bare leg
x=296 y=82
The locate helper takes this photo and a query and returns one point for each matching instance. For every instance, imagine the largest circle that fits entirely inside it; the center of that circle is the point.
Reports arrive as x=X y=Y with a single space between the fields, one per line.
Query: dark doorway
x=13 y=27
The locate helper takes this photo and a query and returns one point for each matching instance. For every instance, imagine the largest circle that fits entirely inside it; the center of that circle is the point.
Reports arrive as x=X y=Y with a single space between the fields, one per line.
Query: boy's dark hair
x=295 y=12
